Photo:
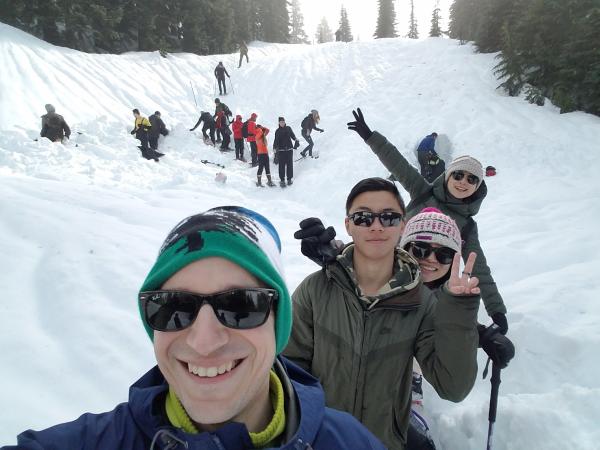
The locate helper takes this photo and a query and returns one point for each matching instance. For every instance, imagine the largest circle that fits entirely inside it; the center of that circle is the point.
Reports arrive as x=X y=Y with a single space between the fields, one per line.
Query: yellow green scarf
x=180 y=419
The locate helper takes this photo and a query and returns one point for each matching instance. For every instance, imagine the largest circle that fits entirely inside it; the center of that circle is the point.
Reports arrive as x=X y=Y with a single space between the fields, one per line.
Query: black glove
x=132 y=132
x=297 y=144
x=320 y=131
x=500 y=320
x=317 y=241
x=192 y=129
x=498 y=347
x=359 y=125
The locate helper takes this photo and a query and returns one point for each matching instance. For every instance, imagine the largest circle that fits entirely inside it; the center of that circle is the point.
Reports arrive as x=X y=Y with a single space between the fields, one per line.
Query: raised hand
x=317 y=242
x=463 y=283
x=359 y=125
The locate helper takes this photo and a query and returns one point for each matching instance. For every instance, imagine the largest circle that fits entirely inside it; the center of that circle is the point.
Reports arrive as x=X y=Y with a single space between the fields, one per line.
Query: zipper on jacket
x=359 y=375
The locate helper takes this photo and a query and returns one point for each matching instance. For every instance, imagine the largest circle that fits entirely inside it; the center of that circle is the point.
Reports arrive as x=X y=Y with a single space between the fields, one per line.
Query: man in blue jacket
x=217 y=309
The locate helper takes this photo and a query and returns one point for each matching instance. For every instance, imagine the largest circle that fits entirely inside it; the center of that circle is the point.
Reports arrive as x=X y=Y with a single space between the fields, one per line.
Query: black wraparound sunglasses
x=422 y=250
x=471 y=179
x=240 y=309
x=366 y=218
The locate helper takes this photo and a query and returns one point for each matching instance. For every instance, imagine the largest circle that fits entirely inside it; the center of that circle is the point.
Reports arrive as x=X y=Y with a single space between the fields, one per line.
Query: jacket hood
x=253 y=116
x=465 y=207
x=401 y=291
x=238 y=118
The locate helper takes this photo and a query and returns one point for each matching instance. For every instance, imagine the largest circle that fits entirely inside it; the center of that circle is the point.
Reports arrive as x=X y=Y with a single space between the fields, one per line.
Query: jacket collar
x=304 y=412
x=401 y=291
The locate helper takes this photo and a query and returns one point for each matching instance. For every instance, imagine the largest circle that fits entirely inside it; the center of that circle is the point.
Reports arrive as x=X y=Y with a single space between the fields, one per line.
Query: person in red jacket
x=252 y=139
x=260 y=133
x=238 y=138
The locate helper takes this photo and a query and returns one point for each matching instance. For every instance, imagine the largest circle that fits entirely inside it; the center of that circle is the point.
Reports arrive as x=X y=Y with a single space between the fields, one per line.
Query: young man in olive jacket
x=360 y=320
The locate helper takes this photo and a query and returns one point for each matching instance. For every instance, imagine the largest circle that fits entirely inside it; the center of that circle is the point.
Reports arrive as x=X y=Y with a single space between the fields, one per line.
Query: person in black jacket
x=309 y=123
x=54 y=126
x=220 y=72
x=284 y=152
x=158 y=128
x=209 y=124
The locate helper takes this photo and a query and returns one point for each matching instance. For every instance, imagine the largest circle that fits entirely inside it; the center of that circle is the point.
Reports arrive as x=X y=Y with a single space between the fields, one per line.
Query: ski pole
x=231 y=84
x=495 y=381
x=192 y=87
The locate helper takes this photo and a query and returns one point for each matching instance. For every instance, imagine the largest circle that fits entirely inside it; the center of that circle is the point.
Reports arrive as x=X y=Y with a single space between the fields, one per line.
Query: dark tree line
x=115 y=26
x=549 y=48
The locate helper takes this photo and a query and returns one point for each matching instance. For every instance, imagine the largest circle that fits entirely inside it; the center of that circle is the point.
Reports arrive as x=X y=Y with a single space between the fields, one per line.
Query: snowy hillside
x=81 y=224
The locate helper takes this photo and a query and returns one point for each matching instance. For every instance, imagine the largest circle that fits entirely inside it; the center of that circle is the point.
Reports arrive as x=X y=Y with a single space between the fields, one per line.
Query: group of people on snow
x=255 y=135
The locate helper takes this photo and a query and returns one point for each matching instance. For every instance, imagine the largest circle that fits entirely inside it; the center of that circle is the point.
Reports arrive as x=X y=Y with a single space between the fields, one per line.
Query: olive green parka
x=362 y=348
x=461 y=211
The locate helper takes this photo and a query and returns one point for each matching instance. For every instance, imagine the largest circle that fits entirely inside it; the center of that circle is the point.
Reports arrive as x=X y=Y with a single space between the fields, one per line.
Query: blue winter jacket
x=427 y=144
x=140 y=424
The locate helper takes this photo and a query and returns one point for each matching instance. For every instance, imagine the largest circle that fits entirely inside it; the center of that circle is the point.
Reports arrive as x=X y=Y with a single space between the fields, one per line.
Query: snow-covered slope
x=80 y=224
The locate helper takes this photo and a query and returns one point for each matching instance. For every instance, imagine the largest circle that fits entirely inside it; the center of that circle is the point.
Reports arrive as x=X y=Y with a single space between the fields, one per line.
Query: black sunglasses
x=422 y=250
x=240 y=309
x=366 y=218
x=471 y=179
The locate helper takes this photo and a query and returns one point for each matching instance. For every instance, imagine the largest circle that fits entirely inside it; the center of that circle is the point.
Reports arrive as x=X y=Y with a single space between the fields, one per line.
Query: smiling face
x=431 y=269
x=461 y=188
x=375 y=242
x=219 y=374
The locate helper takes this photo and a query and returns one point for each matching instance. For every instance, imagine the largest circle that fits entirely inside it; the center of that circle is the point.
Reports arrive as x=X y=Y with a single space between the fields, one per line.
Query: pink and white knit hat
x=432 y=226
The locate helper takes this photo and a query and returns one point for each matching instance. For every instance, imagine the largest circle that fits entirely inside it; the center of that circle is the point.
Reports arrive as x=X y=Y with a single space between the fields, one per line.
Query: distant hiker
x=428 y=158
x=243 y=52
x=238 y=138
x=308 y=124
x=54 y=126
x=209 y=124
x=250 y=128
x=458 y=194
x=223 y=128
x=219 y=106
x=158 y=128
x=141 y=126
x=282 y=145
x=220 y=73
x=263 y=155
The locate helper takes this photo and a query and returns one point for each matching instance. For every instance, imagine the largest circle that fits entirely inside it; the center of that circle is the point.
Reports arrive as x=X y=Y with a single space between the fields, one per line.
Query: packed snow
x=81 y=223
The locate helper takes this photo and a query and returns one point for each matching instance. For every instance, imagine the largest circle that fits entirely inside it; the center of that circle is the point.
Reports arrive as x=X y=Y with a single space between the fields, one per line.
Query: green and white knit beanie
x=238 y=234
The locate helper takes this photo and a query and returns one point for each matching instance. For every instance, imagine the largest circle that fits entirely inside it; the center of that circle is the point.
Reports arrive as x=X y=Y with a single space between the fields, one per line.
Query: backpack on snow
x=245 y=129
x=305 y=125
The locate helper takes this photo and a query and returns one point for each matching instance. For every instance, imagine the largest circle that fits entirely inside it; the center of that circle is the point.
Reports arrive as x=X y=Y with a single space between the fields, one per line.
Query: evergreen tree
x=435 y=30
x=297 y=33
x=413 y=32
x=324 y=33
x=275 y=21
x=241 y=19
x=345 y=32
x=463 y=19
x=386 y=20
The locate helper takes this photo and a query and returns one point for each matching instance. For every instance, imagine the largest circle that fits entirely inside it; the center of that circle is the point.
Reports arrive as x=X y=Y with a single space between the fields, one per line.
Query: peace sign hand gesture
x=464 y=283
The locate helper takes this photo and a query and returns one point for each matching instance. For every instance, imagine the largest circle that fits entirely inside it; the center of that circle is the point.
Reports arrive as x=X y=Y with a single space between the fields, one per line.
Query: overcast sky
x=363 y=15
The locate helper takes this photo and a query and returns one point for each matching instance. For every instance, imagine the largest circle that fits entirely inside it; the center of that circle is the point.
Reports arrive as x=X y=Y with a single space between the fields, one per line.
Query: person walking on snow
x=54 y=126
x=223 y=127
x=238 y=138
x=308 y=124
x=209 y=124
x=158 y=127
x=251 y=130
x=262 y=155
x=458 y=194
x=218 y=312
x=220 y=106
x=243 y=52
x=220 y=73
x=284 y=151
x=429 y=161
x=141 y=126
